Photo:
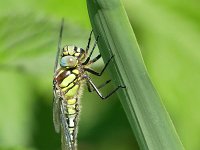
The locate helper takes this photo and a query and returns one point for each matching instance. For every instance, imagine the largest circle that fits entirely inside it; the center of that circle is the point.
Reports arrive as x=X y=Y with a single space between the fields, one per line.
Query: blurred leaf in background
x=168 y=33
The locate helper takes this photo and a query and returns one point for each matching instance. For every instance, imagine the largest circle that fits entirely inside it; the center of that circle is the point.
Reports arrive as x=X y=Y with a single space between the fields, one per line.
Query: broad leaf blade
x=149 y=119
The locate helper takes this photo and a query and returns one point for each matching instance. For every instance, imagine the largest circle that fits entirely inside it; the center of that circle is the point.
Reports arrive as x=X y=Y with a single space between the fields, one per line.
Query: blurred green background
x=168 y=33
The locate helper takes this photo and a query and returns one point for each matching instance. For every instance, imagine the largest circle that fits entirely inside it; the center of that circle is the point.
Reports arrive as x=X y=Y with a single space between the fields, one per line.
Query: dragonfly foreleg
x=88 y=59
x=88 y=45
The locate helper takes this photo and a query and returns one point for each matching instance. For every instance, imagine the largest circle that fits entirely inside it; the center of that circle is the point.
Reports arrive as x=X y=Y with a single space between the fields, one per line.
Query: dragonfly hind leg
x=96 y=89
x=99 y=87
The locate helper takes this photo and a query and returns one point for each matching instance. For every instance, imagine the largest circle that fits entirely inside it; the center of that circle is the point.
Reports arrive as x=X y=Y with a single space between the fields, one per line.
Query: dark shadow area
x=44 y=136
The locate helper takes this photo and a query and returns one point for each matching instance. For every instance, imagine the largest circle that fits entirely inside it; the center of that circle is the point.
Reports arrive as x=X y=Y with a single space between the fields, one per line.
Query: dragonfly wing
x=56 y=112
x=56 y=101
x=59 y=51
x=60 y=123
x=66 y=145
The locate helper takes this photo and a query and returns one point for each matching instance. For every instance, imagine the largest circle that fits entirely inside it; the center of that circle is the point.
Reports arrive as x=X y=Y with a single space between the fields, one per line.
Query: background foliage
x=168 y=33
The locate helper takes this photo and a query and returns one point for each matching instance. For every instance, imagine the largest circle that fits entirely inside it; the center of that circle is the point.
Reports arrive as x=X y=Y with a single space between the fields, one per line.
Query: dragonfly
x=71 y=73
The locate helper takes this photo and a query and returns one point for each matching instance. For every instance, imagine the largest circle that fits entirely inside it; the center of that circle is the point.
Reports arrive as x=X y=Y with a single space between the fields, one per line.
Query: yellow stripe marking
x=67 y=80
x=71 y=101
x=65 y=53
x=71 y=110
x=77 y=54
x=71 y=50
x=66 y=88
x=71 y=129
x=75 y=71
x=72 y=92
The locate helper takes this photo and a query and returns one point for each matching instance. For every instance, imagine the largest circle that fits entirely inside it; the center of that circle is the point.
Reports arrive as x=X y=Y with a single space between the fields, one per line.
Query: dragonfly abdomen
x=72 y=116
x=69 y=83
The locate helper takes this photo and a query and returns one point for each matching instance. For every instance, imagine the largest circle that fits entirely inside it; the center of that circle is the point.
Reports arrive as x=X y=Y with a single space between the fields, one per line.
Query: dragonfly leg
x=98 y=73
x=88 y=59
x=88 y=44
x=95 y=59
x=99 y=93
x=99 y=87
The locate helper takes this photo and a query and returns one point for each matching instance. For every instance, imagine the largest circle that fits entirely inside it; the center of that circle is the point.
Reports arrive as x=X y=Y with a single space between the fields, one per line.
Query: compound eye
x=68 y=61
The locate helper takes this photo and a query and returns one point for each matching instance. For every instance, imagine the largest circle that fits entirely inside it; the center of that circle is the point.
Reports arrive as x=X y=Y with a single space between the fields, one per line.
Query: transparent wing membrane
x=56 y=114
x=59 y=52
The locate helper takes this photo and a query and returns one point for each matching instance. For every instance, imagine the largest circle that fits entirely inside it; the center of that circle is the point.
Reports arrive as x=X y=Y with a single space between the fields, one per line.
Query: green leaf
x=148 y=118
x=172 y=58
x=15 y=109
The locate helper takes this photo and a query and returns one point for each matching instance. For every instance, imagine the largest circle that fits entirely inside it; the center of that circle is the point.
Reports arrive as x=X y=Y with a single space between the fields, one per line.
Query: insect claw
x=97 y=38
x=122 y=86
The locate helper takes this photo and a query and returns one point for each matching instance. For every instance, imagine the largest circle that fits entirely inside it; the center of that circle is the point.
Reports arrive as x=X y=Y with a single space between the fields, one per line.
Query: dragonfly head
x=71 y=55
